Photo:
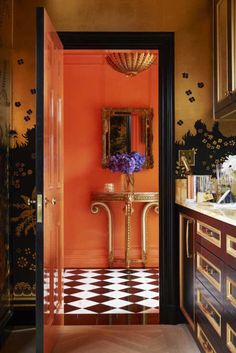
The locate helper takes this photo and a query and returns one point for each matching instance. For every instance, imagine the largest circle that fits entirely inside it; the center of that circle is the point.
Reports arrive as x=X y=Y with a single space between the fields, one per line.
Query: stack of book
x=197 y=184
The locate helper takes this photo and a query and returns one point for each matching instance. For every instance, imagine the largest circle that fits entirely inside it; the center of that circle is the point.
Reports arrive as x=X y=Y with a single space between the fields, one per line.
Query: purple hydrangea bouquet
x=127 y=164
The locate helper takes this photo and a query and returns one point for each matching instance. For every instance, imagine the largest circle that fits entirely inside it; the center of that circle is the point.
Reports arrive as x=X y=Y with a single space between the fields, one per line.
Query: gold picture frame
x=125 y=130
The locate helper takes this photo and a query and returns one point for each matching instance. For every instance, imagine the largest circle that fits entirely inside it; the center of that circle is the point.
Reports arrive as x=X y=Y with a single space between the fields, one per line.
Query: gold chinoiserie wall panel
x=5 y=120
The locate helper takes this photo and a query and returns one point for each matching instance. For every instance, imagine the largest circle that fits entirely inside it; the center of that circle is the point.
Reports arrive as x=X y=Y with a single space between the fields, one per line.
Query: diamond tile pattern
x=111 y=291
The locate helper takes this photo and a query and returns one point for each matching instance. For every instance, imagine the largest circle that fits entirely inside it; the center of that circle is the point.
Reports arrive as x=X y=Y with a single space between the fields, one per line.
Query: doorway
x=168 y=257
x=168 y=243
x=107 y=113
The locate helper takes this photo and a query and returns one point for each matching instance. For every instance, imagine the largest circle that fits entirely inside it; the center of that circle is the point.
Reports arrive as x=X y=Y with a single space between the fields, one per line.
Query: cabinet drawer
x=207 y=342
x=209 y=233
x=209 y=270
x=230 y=333
x=209 y=308
x=230 y=249
x=230 y=290
x=230 y=338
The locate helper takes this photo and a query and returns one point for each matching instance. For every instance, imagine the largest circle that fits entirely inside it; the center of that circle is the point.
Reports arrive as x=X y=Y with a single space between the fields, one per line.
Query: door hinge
x=39 y=208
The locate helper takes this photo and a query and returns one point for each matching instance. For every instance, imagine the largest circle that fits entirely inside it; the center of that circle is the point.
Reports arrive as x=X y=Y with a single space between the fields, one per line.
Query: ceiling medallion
x=132 y=63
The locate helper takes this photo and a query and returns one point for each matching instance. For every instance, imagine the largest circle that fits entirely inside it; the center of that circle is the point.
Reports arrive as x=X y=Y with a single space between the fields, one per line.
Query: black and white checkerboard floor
x=111 y=291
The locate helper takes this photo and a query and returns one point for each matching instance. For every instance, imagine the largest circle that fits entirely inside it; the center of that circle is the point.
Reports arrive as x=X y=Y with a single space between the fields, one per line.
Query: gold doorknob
x=31 y=202
x=46 y=201
x=53 y=201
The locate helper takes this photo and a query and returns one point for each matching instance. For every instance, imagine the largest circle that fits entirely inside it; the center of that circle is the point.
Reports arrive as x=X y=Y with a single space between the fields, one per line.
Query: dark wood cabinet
x=186 y=225
x=210 y=271
x=208 y=280
x=225 y=59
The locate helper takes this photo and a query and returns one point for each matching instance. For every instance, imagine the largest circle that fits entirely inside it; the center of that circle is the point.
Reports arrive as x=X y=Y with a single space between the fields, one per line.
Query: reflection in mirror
x=127 y=130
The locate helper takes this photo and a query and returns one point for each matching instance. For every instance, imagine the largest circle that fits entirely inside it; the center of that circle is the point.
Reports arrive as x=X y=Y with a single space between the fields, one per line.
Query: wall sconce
x=130 y=63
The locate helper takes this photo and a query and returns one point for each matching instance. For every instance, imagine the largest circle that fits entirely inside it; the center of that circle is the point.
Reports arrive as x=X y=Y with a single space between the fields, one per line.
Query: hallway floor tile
x=109 y=292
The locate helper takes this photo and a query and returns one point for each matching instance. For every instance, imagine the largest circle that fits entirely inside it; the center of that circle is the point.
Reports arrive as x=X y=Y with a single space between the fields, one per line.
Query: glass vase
x=127 y=182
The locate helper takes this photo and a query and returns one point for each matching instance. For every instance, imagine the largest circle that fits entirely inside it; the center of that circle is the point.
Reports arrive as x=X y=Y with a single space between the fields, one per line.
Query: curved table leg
x=145 y=211
x=95 y=208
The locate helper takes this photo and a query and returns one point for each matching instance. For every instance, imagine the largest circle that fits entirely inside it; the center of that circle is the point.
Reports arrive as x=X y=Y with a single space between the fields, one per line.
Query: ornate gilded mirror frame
x=120 y=125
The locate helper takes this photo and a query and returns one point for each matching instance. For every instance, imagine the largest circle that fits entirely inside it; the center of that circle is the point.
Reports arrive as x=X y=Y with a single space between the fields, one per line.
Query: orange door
x=49 y=184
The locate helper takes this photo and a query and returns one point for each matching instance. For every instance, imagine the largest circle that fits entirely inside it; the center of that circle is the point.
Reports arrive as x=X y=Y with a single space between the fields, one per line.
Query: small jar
x=109 y=187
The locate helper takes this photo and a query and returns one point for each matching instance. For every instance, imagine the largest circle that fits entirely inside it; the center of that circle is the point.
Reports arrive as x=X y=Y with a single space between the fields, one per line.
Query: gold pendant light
x=130 y=63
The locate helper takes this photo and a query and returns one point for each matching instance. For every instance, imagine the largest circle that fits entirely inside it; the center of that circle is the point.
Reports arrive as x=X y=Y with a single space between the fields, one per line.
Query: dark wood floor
x=20 y=341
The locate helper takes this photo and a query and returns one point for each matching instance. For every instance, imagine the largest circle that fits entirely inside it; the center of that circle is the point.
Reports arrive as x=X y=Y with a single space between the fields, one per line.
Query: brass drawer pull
x=209 y=270
x=207 y=347
x=207 y=309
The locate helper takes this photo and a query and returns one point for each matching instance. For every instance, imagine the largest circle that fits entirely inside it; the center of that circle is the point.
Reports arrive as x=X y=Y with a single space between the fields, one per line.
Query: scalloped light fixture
x=132 y=63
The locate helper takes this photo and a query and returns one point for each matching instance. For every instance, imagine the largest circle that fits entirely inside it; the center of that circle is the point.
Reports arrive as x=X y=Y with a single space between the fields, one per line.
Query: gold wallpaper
x=190 y=20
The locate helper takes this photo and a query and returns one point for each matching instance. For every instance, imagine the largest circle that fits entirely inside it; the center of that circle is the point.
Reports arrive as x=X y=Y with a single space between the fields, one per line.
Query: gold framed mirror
x=127 y=130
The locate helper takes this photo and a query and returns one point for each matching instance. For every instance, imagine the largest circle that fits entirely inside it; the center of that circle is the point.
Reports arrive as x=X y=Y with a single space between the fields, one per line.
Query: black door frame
x=164 y=42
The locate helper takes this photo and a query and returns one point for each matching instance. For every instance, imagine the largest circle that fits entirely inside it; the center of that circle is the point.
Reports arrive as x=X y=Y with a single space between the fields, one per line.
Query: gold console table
x=102 y=200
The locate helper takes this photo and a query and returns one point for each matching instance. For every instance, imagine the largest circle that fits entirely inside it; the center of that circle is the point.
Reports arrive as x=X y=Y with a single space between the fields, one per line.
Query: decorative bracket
x=145 y=211
x=95 y=208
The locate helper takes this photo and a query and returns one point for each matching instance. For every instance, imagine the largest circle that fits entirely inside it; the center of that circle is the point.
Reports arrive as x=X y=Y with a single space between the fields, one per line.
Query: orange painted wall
x=89 y=85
